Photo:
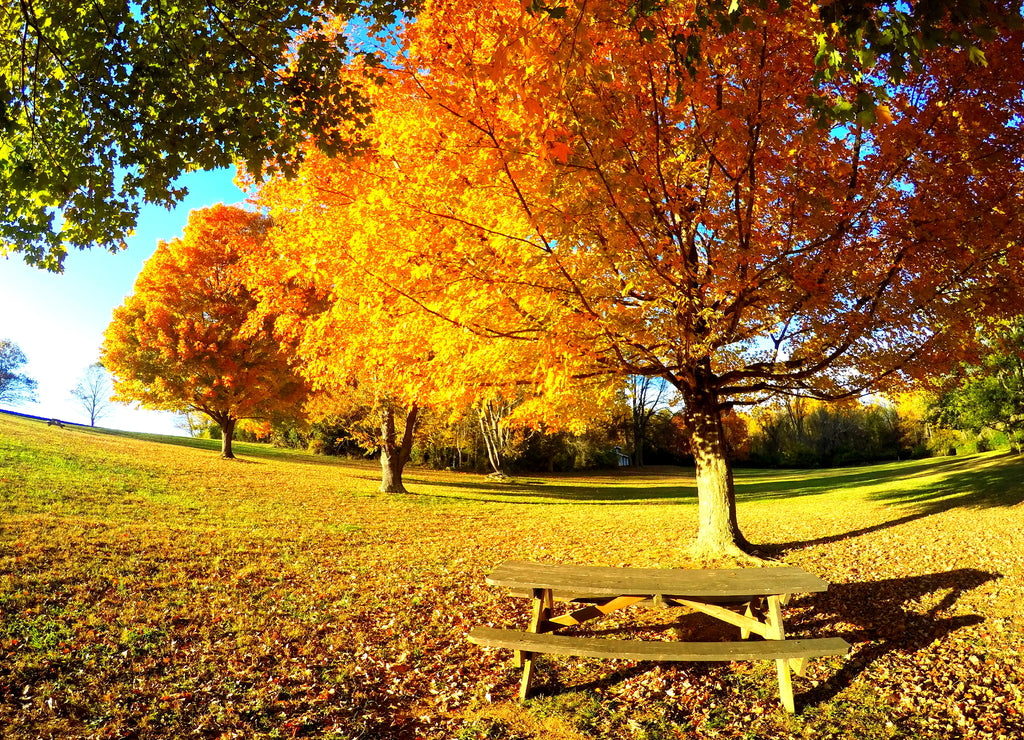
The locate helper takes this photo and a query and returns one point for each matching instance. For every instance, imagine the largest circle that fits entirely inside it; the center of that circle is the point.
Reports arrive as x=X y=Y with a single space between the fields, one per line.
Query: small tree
x=15 y=388
x=93 y=392
x=646 y=396
x=181 y=342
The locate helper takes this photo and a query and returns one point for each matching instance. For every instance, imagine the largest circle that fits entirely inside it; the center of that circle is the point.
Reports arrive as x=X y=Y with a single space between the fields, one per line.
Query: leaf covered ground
x=151 y=590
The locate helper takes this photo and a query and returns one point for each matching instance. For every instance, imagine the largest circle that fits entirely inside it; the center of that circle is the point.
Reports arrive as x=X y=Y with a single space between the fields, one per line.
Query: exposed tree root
x=728 y=555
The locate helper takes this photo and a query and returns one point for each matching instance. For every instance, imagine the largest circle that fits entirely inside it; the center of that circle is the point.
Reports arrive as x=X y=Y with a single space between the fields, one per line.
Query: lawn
x=152 y=590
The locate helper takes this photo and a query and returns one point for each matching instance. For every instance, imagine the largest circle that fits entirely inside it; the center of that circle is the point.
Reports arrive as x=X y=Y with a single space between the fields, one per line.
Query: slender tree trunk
x=496 y=437
x=718 y=532
x=227 y=429
x=394 y=452
x=639 y=432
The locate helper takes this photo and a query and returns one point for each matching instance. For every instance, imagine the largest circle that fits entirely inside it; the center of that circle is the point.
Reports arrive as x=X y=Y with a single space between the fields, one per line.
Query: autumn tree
x=15 y=387
x=589 y=188
x=147 y=71
x=93 y=392
x=181 y=341
x=328 y=276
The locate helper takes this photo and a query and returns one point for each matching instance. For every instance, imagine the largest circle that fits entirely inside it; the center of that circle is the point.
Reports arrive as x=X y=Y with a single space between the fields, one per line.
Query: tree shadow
x=998 y=481
x=785 y=484
x=776 y=550
x=873 y=617
x=552 y=492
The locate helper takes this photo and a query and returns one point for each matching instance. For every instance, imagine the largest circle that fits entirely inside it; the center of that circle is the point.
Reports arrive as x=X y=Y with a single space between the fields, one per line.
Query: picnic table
x=748 y=598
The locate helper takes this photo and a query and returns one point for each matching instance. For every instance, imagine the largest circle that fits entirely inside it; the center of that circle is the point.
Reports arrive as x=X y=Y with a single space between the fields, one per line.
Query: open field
x=153 y=590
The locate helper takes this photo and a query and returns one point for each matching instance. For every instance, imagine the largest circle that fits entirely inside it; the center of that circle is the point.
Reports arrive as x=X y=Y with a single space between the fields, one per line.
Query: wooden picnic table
x=748 y=598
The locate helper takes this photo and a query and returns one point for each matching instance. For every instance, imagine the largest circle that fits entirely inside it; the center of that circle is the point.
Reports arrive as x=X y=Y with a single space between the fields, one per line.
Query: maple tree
x=146 y=70
x=328 y=276
x=183 y=341
x=589 y=189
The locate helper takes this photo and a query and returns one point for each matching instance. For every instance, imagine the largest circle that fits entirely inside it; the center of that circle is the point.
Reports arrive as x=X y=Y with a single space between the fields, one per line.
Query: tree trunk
x=496 y=436
x=227 y=429
x=395 y=453
x=718 y=532
x=639 y=432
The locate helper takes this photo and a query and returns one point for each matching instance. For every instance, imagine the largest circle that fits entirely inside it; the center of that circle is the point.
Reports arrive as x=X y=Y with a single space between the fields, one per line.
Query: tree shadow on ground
x=997 y=482
x=777 y=550
x=552 y=492
x=873 y=616
x=785 y=484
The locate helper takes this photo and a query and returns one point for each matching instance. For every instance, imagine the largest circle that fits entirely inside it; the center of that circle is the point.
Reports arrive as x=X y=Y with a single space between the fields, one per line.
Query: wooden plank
x=747 y=624
x=592 y=647
x=575 y=597
x=682 y=582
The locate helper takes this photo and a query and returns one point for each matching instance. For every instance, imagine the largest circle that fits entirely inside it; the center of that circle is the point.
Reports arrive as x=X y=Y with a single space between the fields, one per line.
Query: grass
x=149 y=589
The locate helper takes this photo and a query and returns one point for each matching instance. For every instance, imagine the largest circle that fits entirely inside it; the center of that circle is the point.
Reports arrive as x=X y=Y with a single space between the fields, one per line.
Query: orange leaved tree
x=588 y=186
x=181 y=341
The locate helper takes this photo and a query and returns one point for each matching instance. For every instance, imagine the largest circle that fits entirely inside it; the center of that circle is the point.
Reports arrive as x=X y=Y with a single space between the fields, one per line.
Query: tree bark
x=395 y=453
x=227 y=428
x=496 y=437
x=718 y=532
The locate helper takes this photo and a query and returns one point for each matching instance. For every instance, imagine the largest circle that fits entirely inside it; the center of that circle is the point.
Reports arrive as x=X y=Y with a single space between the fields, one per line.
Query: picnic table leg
x=777 y=632
x=542 y=603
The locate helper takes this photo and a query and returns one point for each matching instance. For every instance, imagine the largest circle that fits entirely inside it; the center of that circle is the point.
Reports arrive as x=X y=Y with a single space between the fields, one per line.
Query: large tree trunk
x=718 y=532
x=227 y=428
x=395 y=453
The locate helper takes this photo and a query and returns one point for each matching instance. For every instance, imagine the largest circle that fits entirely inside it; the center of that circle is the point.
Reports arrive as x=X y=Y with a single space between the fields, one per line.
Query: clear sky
x=59 y=320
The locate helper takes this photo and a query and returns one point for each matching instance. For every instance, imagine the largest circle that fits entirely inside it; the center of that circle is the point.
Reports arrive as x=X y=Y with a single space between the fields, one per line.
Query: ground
x=150 y=590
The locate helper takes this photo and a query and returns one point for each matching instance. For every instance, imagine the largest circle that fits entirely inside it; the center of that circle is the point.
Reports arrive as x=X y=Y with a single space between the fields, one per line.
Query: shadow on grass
x=776 y=550
x=766 y=485
x=871 y=615
x=552 y=492
x=998 y=481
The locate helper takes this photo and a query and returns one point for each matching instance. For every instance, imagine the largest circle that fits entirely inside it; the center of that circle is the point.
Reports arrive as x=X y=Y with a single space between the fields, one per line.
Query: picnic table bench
x=748 y=598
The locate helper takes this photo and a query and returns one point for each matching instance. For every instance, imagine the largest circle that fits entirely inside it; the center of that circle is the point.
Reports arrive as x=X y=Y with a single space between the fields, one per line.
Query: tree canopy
x=104 y=103
x=15 y=387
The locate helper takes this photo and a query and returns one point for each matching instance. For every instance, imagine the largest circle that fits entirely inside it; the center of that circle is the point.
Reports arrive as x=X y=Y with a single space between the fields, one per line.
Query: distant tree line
x=800 y=434
x=462 y=443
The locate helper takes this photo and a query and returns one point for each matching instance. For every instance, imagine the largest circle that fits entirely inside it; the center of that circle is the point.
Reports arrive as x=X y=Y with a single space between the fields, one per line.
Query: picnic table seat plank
x=710 y=582
x=657 y=650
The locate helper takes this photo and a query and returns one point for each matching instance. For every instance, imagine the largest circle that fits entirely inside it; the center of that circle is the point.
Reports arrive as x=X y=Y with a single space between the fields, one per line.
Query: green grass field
x=149 y=589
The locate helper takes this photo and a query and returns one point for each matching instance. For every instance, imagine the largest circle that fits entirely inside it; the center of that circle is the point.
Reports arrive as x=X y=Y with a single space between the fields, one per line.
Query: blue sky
x=59 y=320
